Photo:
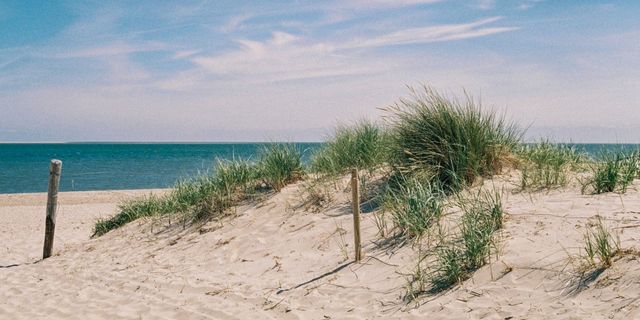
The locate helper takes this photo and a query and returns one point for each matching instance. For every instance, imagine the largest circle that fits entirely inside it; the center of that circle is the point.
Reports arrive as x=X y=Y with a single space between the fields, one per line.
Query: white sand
x=276 y=261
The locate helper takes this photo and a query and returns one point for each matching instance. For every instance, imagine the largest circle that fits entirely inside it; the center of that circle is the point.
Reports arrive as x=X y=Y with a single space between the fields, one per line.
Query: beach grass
x=208 y=195
x=600 y=245
x=456 y=140
x=415 y=205
x=280 y=164
x=455 y=259
x=545 y=165
x=612 y=172
x=362 y=145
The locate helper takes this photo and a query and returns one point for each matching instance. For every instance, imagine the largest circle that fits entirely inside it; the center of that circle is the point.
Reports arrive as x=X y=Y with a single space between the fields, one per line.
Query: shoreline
x=75 y=197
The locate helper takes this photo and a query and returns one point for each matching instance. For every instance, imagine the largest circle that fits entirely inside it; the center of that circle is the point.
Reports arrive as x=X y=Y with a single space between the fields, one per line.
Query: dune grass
x=612 y=172
x=456 y=140
x=362 y=145
x=456 y=259
x=208 y=195
x=545 y=165
x=600 y=245
x=280 y=164
x=415 y=205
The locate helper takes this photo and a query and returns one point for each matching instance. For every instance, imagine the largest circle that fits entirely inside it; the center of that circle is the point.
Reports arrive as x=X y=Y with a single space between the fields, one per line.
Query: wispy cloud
x=235 y=23
x=285 y=56
x=281 y=57
x=430 y=34
x=386 y=3
x=528 y=4
x=113 y=49
x=485 y=4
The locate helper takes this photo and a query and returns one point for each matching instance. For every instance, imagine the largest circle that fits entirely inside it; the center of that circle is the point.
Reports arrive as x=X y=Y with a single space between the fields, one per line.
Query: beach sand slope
x=278 y=260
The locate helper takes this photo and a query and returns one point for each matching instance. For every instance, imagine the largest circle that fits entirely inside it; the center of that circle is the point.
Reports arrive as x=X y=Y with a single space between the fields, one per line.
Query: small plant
x=130 y=211
x=545 y=165
x=455 y=260
x=614 y=171
x=317 y=194
x=600 y=245
x=450 y=268
x=362 y=146
x=280 y=164
x=414 y=206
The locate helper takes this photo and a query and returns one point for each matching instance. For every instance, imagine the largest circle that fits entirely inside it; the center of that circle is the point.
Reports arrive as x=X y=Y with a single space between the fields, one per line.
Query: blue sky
x=290 y=70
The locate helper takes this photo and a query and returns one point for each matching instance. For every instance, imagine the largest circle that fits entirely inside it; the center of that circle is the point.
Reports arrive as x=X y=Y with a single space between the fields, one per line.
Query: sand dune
x=276 y=260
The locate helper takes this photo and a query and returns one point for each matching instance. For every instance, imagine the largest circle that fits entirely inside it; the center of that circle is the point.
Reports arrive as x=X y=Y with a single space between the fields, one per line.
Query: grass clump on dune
x=415 y=205
x=456 y=140
x=362 y=146
x=208 y=195
x=456 y=259
x=280 y=164
x=131 y=210
x=545 y=165
x=612 y=172
x=600 y=245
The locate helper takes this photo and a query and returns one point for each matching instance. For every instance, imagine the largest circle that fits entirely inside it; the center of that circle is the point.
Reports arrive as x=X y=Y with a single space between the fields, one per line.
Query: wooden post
x=52 y=205
x=355 y=204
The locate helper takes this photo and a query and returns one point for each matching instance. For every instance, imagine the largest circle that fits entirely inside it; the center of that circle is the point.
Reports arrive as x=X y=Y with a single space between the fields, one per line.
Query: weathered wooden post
x=355 y=204
x=52 y=205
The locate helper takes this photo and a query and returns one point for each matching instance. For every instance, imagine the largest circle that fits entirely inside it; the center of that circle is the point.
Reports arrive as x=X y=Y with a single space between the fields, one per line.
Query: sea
x=24 y=168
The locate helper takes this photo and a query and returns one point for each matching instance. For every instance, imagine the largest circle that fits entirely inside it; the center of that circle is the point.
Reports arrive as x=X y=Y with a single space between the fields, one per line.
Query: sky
x=291 y=70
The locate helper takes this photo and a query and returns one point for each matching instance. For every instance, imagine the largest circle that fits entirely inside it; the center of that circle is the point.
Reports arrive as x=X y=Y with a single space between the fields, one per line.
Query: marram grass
x=545 y=165
x=456 y=140
x=612 y=172
x=207 y=195
x=362 y=145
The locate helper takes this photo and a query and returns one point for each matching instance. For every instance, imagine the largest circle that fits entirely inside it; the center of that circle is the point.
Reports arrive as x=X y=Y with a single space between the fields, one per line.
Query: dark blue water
x=25 y=167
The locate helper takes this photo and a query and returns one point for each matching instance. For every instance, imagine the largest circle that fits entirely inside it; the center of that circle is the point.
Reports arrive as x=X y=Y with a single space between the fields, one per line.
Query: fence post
x=52 y=205
x=355 y=204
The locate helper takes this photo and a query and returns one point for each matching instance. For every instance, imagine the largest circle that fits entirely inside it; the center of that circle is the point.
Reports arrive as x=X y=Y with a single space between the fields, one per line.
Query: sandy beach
x=276 y=260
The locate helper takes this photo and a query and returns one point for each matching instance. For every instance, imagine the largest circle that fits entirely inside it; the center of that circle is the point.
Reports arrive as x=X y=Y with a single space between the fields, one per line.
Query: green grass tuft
x=415 y=205
x=545 y=165
x=600 y=245
x=483 y=214
x=613 y=171
x=455 y=140
x=206 y=195
x=280 y=164
x=362 y=146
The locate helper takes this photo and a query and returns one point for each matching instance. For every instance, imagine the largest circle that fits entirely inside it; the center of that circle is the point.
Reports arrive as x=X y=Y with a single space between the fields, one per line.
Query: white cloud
x=282 y=57
x=286 y=57
x=486 y=4
x=235 y=23
x=113 y=49
x=386 y=3
x=430 y=34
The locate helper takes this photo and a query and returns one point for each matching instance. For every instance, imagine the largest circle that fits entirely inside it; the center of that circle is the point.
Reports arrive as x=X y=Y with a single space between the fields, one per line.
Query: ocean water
x=85 y=166
x=102 y=166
